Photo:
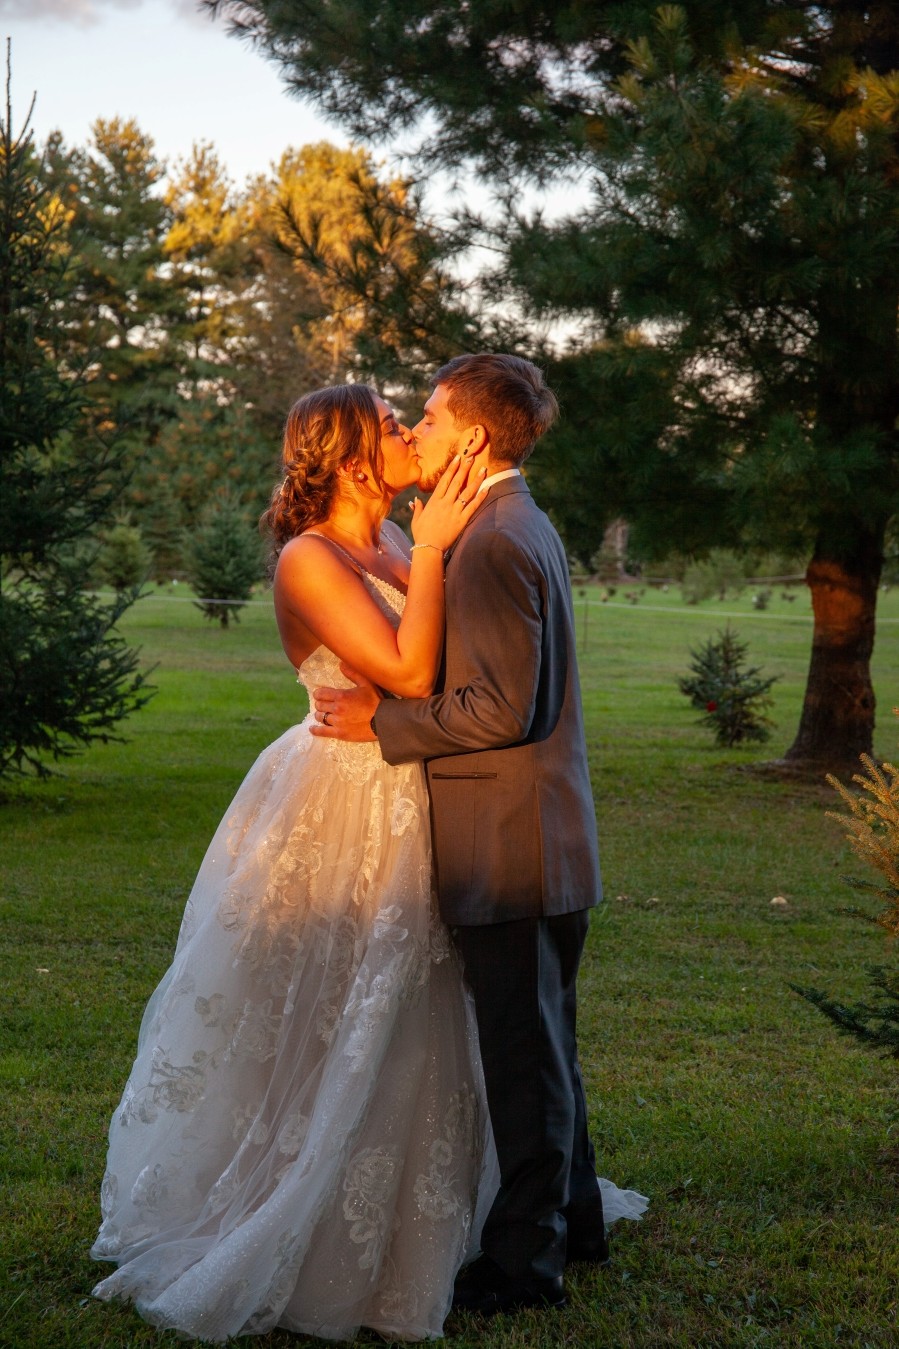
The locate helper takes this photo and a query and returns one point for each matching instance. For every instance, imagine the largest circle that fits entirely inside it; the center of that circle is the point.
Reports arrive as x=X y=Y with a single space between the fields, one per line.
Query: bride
x=303 y=1134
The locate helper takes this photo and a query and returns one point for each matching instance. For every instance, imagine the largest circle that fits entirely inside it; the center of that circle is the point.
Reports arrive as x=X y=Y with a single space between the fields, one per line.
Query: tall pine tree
x=127 y=304
x=66 y=676
x=211 y=264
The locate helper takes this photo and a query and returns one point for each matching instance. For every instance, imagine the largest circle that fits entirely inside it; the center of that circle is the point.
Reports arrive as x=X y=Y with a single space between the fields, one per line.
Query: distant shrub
x=713 y=577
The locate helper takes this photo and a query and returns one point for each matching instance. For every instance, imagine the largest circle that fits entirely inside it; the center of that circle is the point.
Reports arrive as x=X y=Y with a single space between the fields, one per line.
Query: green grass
x=766 y=1142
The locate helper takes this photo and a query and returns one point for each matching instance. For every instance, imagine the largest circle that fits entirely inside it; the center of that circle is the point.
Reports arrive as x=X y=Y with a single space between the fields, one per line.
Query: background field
x=768 y=1144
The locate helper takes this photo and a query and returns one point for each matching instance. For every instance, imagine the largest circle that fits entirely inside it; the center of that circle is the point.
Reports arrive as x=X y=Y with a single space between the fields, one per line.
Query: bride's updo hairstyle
x=325 y=431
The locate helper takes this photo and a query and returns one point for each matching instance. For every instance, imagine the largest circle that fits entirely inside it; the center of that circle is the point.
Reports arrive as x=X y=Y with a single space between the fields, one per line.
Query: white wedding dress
x=303 y=1133
x=303 y=1141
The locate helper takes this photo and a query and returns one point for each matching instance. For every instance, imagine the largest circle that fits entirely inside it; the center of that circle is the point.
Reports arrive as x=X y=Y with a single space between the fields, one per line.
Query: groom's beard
x=427 y=484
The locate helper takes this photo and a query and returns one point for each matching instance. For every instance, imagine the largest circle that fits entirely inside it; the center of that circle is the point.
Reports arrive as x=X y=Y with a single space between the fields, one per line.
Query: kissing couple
x=356 y=1100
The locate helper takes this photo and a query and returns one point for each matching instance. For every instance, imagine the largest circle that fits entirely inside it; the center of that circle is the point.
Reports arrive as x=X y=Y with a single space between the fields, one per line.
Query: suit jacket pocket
x=469 y=776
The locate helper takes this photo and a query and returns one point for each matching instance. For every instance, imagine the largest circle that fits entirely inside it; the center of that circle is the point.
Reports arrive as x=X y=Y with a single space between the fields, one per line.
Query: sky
x=161 y=62
x=176 y=71
x=183 y=79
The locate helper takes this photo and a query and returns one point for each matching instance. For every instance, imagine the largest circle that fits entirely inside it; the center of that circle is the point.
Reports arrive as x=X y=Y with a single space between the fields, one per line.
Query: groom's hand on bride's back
x=345 y=714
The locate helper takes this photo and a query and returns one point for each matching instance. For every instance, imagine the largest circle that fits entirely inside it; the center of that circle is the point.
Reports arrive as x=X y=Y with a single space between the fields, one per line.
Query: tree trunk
x=837 y=723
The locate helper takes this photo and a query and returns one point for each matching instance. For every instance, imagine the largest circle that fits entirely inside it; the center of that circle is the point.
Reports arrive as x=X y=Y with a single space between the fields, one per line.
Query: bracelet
x=426 y=545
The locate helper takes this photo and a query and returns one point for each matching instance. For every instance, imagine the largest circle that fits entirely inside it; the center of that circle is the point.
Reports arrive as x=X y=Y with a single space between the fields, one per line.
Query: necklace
x=363 y=543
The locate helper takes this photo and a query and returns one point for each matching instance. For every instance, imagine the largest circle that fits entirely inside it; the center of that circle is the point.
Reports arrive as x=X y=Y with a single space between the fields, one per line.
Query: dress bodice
x=323 y=666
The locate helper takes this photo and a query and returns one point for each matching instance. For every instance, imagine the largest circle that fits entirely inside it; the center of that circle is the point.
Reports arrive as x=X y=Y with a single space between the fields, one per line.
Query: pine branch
x=875 y=1023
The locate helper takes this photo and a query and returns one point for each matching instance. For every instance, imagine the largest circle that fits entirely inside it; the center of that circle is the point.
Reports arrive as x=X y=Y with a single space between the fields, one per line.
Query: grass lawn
x=767 y=1143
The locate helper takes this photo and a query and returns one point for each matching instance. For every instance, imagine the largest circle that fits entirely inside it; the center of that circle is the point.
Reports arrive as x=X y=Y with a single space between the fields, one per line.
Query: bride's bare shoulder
x=301 y=543
x=313 y=561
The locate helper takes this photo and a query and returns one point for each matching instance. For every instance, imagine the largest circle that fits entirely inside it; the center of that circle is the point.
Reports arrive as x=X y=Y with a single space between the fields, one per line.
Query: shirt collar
x=498 y=477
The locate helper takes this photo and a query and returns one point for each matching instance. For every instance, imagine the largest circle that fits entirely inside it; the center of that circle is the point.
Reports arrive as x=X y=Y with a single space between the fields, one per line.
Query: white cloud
x=80 y=12
x=193 y=11
x=85 y=12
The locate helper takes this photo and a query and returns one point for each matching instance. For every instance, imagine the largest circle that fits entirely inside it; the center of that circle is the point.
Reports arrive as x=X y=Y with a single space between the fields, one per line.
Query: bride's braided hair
x=325 y=430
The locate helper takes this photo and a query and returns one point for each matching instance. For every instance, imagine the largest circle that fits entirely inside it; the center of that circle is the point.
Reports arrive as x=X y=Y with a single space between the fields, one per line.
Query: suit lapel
x=507 y=487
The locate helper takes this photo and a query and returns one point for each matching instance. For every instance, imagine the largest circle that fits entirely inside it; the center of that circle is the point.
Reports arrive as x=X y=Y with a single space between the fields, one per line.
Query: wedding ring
x=325 y=716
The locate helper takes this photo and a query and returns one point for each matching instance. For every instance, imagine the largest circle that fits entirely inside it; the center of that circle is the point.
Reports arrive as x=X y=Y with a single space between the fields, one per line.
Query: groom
x=514 y=831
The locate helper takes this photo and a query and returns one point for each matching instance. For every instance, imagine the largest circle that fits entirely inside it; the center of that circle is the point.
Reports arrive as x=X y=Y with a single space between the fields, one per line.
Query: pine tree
x=730 y=697
x=873 y=832
x=731 y=285
x=212 y=444
x=124 y=560
x=345 y=283
x=127 y=302
x=223 y=559
x=66 y=676
x=211 y=264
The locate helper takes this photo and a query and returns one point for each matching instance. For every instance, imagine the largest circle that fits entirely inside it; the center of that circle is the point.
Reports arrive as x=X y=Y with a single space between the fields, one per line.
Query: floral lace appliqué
x=368 y=1186
x=438 y=1192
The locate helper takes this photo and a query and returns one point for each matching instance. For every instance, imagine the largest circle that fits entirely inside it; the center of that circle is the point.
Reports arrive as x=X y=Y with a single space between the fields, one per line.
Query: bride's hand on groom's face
x=345 y=714
x=452 y=504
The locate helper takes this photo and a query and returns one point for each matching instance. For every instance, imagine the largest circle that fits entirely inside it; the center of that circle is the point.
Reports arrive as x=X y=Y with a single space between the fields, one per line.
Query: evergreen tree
x=223 y=556
x=127 y=305
x=66 y=676
x=211 y=445
x=343 y=280
x=730 y=697
x=203 y=434
x=280 y=356
x=131 y=322
x=384 y=302
x=210 y=254
x=733 y=280
x=124 y=560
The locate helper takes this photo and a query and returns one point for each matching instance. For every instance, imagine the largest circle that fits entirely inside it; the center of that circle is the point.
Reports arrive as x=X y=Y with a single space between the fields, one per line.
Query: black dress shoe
x=487 y=1289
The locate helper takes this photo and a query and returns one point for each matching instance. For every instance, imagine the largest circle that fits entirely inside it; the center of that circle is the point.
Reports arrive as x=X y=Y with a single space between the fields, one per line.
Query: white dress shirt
x=498 y=477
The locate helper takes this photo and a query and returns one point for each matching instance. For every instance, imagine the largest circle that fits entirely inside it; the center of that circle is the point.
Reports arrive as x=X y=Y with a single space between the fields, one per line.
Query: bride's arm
x=320 y=588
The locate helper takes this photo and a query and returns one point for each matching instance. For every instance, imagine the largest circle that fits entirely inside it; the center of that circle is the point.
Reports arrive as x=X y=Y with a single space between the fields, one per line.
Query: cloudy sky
x=161 y=62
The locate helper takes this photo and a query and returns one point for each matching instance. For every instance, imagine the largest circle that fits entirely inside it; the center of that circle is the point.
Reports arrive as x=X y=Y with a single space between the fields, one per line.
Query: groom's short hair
x=505 y=394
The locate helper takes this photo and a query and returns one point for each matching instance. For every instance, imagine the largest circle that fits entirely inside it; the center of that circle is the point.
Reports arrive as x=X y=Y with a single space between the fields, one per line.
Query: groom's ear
x=476 y=441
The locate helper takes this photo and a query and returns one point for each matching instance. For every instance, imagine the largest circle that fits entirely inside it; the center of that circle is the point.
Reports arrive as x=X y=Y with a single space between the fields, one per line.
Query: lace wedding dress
x=303 y=1133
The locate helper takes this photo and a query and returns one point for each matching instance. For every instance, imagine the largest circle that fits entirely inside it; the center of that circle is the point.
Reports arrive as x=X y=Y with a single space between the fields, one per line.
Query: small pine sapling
x=223 y=560
x=730 y=697
x=124 y=560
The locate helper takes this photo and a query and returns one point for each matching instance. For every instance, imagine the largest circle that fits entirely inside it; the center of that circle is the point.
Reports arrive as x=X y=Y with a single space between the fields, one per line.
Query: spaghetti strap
x=355 y=561
x=334 y=544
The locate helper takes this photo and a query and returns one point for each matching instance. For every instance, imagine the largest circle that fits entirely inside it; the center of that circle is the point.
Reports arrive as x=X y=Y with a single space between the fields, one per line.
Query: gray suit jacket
x=514 y=827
